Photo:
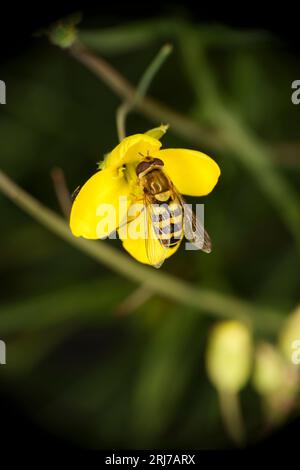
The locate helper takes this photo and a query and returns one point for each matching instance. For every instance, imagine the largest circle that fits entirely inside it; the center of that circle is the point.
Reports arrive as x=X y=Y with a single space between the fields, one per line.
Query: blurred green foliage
x=139 y=381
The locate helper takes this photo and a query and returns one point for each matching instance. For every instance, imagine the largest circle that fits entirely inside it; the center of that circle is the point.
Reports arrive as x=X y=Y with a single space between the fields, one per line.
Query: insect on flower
x=138 y=192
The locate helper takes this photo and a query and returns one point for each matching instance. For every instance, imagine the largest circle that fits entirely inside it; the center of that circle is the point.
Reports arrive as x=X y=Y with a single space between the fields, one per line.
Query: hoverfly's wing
x=128 y=219
x=124 y=225
x=156 y=241
x=193 y=228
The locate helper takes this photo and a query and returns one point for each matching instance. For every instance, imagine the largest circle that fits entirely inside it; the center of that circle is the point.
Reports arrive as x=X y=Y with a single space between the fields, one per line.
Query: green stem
x=141 y=90
x=204 y=300
x=150 y=72
x=61 y=190
x=232 y=416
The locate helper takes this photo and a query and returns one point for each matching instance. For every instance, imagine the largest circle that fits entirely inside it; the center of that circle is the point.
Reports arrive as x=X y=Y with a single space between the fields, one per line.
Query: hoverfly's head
x=147 y=165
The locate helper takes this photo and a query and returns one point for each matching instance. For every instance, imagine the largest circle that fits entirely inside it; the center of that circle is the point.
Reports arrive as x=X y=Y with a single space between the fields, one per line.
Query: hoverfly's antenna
x=147 y=156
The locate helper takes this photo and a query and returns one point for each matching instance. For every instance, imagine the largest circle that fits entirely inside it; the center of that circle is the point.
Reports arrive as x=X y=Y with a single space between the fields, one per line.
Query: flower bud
x=269 y=369
x=229 y=356
x=158 y=132
x=277 y=381
x=64 y=33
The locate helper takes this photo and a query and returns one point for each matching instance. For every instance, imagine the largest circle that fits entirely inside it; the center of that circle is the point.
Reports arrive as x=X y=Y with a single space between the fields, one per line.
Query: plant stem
x=141 y=90
x=61 y=191
x=151 y=71
x=232 y=416
x=206 y=301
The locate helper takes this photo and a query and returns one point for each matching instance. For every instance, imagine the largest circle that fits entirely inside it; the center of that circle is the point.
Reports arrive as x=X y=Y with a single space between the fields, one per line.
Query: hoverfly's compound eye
x=157 y=161
x=143 y=166
x=148 y=163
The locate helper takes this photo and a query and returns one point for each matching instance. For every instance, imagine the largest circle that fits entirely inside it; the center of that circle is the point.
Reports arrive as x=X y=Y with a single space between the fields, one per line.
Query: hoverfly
x=168 y=217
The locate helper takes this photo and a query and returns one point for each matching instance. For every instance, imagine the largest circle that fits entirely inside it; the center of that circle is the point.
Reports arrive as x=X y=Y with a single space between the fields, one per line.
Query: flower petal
x=134 y=241
x=131 y=149
x=158 y=132
x=90 y=218
x=193 y=173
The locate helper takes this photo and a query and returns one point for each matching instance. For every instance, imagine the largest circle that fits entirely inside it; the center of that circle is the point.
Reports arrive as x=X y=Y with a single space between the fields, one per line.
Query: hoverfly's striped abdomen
x=167 y=221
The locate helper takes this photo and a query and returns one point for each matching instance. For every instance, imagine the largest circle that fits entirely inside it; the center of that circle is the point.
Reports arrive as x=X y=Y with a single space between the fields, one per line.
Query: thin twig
x=141 y=90
x=61 y=191
x=121 y=114
x=116 y=82
x=205 y=301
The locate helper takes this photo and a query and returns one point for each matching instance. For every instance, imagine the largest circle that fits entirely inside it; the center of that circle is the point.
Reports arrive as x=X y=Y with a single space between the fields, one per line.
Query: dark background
x=18 y=22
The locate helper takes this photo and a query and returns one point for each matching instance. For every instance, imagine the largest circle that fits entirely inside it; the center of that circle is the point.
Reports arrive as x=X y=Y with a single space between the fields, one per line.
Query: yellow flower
x=110 y=195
